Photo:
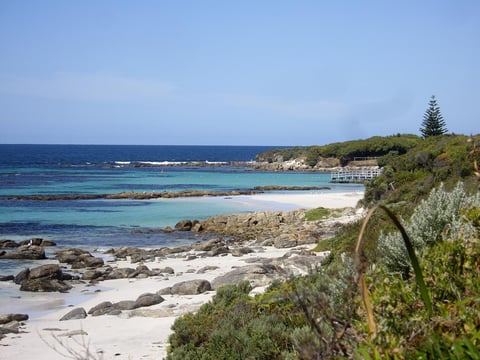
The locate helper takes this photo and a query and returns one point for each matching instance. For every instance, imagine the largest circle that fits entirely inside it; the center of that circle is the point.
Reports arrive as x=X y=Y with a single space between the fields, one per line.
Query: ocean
x=103 y=169
x=99 y=224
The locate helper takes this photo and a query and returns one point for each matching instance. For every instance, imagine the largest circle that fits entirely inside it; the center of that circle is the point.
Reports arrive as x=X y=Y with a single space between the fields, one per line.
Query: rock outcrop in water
x=31 y=249
x=279 y=228
x=159 y=195
x=44 y=278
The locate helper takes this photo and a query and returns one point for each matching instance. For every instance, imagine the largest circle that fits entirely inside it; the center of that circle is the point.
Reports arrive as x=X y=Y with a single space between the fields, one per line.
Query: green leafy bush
x=411 y=176
x=405 y=331
x=436 y=218
x=322 y=213
x=376 y=146
x=279 y=324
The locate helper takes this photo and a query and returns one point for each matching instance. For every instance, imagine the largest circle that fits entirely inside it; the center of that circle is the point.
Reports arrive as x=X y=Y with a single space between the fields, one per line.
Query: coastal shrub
x=232 y=326
x=405 y=330
x=434 y=160
x=376 y=146
x=319 y=315
x=321 y=213
x=297 y=319
x=436 y=218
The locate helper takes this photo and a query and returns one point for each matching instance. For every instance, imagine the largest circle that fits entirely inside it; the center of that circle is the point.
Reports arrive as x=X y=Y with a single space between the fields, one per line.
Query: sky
x=264 y=72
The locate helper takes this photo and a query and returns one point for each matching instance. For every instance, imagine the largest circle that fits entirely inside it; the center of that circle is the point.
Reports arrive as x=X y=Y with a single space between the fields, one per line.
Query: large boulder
x=44 y=278
x=148 y=299
x=257 y=275
x=120 y=273
x=208 y=245
x=101 y=309
x=5 y=243
x=37 y=242
x=48 y=271
x=77 y=313
x=91 y=275
x=25 y=252
x=191 y=287
x=135 y=254
x=184 y=225
x=4 y=319
x=45 y=285
x=78 y=258
x=125 y=305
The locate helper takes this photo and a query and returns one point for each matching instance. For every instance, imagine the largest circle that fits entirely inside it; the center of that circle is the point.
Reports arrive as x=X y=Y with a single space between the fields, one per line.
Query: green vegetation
x=375 y=308
x=409 y=178
x=322 y=213
x=345 y=151
x=435 y=219
x=433 y=123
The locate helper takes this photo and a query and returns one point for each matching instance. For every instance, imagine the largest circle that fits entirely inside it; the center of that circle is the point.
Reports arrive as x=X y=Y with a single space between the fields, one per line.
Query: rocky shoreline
x=298 y=164
x=245 y=237
x=161 y=195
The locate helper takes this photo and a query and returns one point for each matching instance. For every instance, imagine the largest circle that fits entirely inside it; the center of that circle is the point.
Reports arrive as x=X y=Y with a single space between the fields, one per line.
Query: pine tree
x=433 y=123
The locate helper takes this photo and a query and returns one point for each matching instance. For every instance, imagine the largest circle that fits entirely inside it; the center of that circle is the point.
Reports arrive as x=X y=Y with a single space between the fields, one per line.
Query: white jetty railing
x=357 y=175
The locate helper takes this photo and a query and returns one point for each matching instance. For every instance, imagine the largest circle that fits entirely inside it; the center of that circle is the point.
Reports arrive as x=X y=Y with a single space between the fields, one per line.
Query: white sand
x=141 y=333
x=310 y=200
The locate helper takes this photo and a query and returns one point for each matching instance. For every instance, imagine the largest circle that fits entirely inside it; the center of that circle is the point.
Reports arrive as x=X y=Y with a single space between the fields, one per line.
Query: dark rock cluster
x=31 y=249
x=44 y=278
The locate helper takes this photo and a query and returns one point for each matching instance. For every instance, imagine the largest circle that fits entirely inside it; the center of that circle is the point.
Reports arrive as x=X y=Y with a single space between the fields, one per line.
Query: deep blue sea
x=90 y=169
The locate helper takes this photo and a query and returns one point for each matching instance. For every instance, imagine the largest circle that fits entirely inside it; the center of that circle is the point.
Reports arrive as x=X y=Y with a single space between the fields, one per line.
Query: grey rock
x=192 y=287
x=7 y=277
x=50 y=271
x=124 y=305
x=207 y=268
x=165 y=291
x=121 y=273
x=148 y=299
x=114 y=312
x=258 y=275
x=25 y=253
x=208 y=245
x=21 y=276
x=8 y=244
x=77 y=313
x=176 y=250
x=37 y=242
x=184 y=225
x=11 y=327
x=4 y=319
x=167 y=270
x=78 y=258
x=219 y=250
x=44 y=278
x=101 y=309
x=91 y=274
x=45 y=285
x=285 y=241
x=240 y=251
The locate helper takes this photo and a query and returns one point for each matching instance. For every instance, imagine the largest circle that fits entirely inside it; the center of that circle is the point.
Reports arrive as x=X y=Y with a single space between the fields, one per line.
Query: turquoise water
x=97 y=222
x=97 y=225
x=91 y=224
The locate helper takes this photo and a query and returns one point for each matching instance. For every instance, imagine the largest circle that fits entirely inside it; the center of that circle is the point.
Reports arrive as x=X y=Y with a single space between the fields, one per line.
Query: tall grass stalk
x=361 y=264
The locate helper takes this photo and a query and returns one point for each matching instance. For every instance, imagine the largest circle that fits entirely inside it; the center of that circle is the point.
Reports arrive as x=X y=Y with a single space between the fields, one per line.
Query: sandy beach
x=141 y=333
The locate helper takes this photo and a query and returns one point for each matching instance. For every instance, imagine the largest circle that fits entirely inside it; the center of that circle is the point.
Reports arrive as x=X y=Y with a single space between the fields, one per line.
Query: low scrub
x=410 y=177
x=322 y=213
x=322 y=316
x=435 y=219
x=347 y=151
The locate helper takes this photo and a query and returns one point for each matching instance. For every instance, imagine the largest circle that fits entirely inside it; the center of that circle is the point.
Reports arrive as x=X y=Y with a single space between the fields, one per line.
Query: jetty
x=355 y=175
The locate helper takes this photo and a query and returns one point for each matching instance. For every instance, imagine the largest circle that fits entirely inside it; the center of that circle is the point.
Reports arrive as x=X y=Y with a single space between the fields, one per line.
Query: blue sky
x=234 y=72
